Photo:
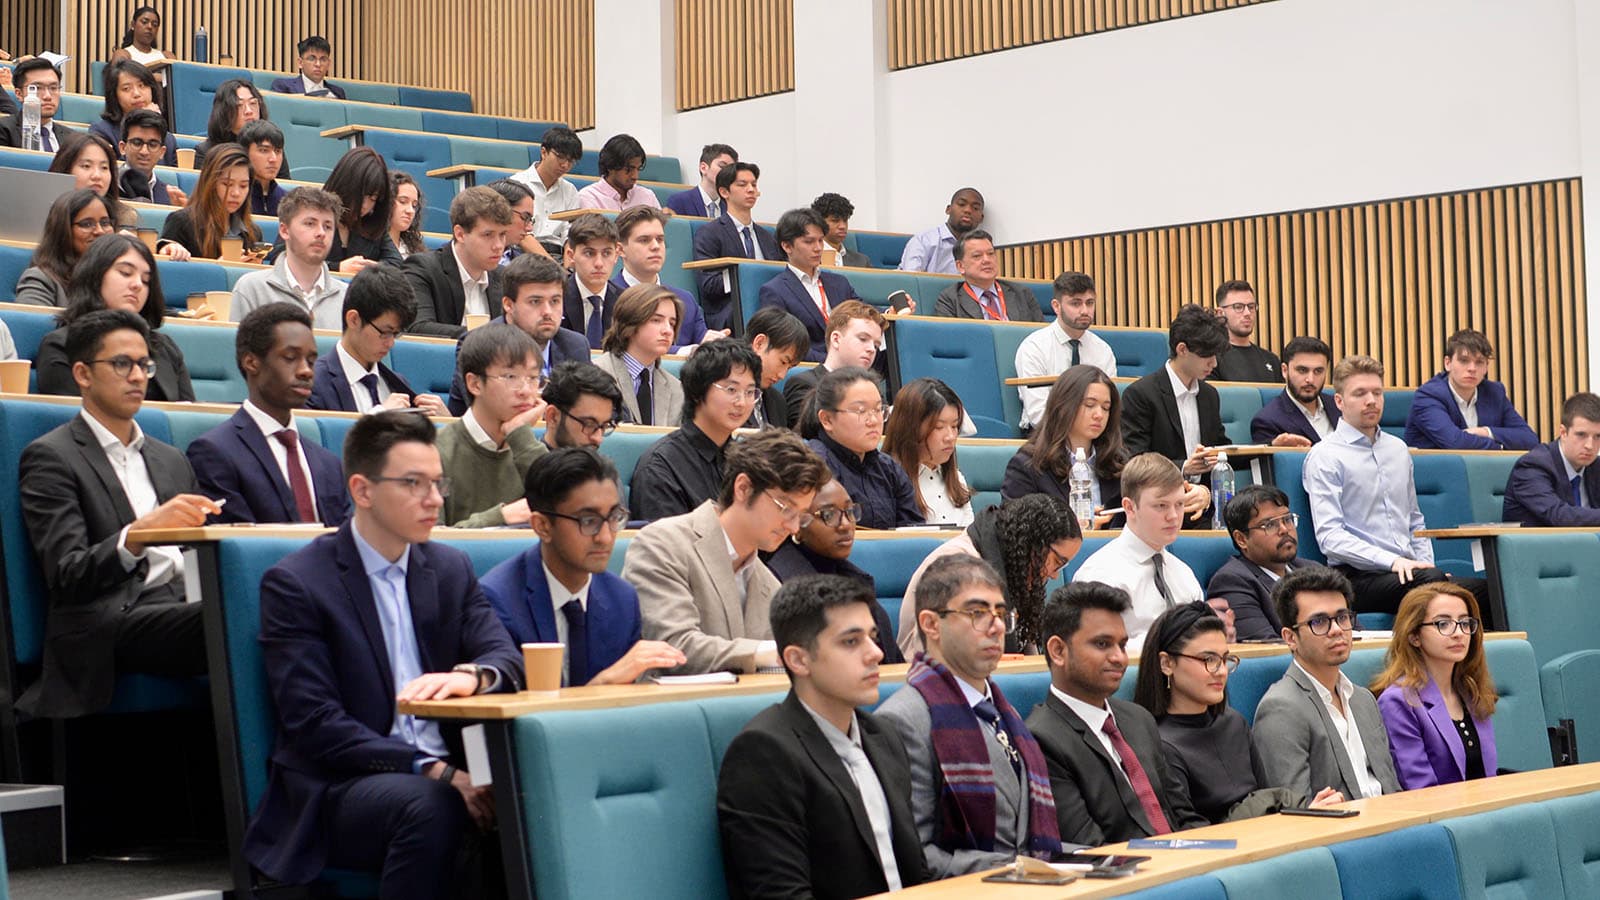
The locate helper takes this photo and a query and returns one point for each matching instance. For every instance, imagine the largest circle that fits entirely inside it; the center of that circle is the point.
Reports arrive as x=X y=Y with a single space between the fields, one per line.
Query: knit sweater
x=481 y=480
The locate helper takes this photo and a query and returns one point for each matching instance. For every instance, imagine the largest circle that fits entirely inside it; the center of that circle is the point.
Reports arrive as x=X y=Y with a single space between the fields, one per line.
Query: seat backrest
x=1576 y=821
x=884 y=250
x=208 y=352
x=1367 y=866
x=194 y=87
x=1239 y=406
x=984 y=466
x=1025 y=690
x=1509 y=852
x=471 y=151
x=892 y=562
x=180 y=279
x=28 y=326
x=32 y=160
x=1289 y=475
x=680 y=249
x=1567 y=685
x=1486 y=484
x=465 y=124
x=432 y=98
x=385 y=116
x=522 y=130
x=726 y=717
x=186 y=425
x=1396 y=409
x=1311 y=871
x=1548 y=582
x=1139 y=351
x=961 y=354
x=427 y=365
x=1439 y=479
x=1203 y=555
x=624 y=448
x=751 y=277
x=1007 y=339
x=415 y=155
x=370 y=92
x=1519 y=716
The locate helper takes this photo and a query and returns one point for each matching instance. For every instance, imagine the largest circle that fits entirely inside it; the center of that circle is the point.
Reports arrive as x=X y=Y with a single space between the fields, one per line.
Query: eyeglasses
x=867 y=413
x=983 y=617
x=1054 y=561
x=419 y=488
x=1321 y=623
x=123 y=365
x=735 y=393
x=47 y=90
x=790 y=514
x=1285 y=522
x=386 y=335
x=94 y=224
x=589 y=426
x=589 y=523
x=1214 y=664
x=1466 y=625
x=1242 y=307
x=527 y=218
x=830 y=515
x=143 y=144
x=534 y=381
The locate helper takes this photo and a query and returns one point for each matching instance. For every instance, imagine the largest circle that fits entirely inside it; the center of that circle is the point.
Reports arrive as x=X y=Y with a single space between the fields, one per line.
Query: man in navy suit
x=378 y=307
x=1460 y=409
x=803 y=289
x=1302 y=414
x=590 y=298
x=532 y=300
x=733 y=234
x=558 y=590
x=642 y=232
x=350 y=624
x=315 y=59
x=256 y=460
x=1557 y=483
x=703 y=199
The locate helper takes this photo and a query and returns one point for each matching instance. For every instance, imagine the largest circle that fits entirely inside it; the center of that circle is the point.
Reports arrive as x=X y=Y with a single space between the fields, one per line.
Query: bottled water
x=31 y=117
x=1221 y=491
x=202 y=45
x=1081 y=483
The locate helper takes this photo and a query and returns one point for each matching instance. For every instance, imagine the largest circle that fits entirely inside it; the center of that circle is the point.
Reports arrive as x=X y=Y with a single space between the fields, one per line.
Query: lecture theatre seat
x=891 y=563
x=416 y=154
x=1368 y=867
x=433 y=98
x=208 y=352
x=303 y=119
x=1440 y=479
x=882 y=248
x=1139 y=351
x=192 y=276
x=1311 y=871
x=32 y=160
x=1570 y=685
x=962 y=355
x=984 y=467
x=1396 y=409
x=13 y=261
x=1239 y=404
x=1507 y=853
x=428 y=365
x=1576 y=821
x=403 y=117
x=470 y=151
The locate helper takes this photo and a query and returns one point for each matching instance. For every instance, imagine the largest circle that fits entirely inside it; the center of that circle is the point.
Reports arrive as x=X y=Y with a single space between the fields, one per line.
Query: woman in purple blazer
x=1435 y=691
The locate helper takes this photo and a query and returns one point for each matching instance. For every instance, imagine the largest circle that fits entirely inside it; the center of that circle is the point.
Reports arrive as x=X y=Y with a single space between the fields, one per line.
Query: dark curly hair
x=1027 y=526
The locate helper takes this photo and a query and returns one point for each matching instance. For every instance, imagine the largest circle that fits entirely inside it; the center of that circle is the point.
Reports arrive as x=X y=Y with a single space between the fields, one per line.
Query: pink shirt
x=601 y=195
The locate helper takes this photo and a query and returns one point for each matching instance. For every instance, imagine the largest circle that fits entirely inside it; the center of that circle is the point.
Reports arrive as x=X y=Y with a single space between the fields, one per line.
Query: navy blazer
x=1248 y=590
x=566 y=345
x=1282 y=415
x=1435 y=422
x=295 y=85
x=520 y=595
x=688 y=203
x=575 y=318
x=233 y=462
x=331 y=390
x=1539 y=493
x=788 y=294
x=720 y=238
x=327 y=668
x=690 y=330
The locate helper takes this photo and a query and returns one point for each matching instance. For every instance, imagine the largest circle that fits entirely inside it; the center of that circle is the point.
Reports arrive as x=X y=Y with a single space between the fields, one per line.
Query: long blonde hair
x=1403 y=664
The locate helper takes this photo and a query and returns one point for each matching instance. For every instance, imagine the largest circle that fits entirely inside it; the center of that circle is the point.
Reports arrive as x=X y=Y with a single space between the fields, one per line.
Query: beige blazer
x=688 y=597
x=668 y=392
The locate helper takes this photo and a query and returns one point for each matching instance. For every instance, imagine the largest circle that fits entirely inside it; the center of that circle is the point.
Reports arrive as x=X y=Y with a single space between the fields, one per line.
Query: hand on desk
x=1291 y=440
x=439 y=686
x=1325 y=798
x=640 y=658
x=182 y=511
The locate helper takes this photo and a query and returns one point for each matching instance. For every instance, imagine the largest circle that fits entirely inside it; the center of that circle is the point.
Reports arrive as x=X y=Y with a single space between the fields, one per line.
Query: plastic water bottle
x=1079 y=487
x=1221 y=491
x=31 y=117
x=202 y=45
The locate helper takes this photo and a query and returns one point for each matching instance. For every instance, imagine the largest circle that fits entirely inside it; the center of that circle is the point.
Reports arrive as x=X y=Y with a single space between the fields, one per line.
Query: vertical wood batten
x=736 y=49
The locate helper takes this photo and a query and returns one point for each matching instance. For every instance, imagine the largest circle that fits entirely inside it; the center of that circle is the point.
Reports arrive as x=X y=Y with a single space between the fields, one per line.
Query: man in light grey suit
x=643 y=328
x=701 y=586
x=1314 y=728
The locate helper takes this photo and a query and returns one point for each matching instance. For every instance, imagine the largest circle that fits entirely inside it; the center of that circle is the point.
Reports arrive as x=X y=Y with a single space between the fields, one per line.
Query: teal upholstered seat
x=1311 y=872
x=1509 y=852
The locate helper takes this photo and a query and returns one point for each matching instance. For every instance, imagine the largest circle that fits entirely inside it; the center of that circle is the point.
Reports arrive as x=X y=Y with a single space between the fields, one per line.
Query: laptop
x=29 y=194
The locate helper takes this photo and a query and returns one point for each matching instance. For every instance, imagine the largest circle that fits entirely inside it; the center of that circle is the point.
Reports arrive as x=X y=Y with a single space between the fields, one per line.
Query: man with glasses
x=1264 y=532
x=559 y=151
x=486 y=453
x=351 y=624
x=582 y=404
x=980 y=787
x=378 y=307
x=40 y=73
x=1243 y=360
x=559 y=592
x=1314 y=728
x=701 y=586
x=1109 y=777
x=531 y=300
x=721 y=384
x=144 y=134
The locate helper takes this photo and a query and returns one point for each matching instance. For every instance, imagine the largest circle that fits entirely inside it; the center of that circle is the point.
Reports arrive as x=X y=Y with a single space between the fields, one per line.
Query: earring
x=1169 y=681
x=795 y=538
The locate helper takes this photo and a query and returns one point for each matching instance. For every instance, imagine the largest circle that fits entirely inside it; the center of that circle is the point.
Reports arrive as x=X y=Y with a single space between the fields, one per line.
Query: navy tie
x=370 y=382
x=593 y=328
x=577 y=643
x=1075 y=346
x=986 y=710
x=749 y=245
x=1577 y=490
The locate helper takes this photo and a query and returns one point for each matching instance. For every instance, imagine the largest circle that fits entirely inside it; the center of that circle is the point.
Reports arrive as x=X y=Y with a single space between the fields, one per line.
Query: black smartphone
x=1099 y=860
x=1322 y=813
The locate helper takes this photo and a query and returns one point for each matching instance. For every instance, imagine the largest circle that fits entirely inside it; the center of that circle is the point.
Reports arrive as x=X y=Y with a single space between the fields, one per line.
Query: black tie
x=577 y=643
x=1161 y=580
x=370 y=381
x=594 y=330
x=985 y=710
x=646 y=399
x=1074 y=342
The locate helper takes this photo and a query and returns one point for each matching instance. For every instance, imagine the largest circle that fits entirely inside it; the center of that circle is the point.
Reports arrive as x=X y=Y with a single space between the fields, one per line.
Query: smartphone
x=1322 y=813
x=1098 y=860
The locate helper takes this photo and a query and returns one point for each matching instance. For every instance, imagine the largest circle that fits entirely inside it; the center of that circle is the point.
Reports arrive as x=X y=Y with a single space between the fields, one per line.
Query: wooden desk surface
x=1493 y=530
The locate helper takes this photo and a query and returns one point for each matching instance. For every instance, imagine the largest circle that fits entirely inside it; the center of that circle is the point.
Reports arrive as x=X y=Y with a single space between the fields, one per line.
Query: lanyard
x=1000 y=298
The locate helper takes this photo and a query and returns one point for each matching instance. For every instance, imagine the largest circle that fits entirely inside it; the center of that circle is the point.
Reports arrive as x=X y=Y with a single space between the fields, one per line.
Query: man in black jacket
x=461 y=278
x=1173 y=411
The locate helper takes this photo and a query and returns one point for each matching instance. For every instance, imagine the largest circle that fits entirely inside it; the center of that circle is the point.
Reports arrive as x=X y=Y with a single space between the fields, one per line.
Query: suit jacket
x=575 y=318
x=1022 y=478
x=792 y=819
x=855 y=259
x=330 y=389
x=1020 y=304
x=1538 y=492
x=566 y=345
x=1426 y=745
x=74 y=509
x=11 y=129
x=667 y=392
x=171 y=381
x=1282 y=415
x=687 y=594
x=716 y=239
x=1436 y=423
x=441 y=301
x=1248 y=589
x=294 y=84
x=788 y=294
x=690 y=330
x=1150 y=418
x=1299 y=748
x=327 y=668
x=688 y=203
x=1095 y=804
x=520 y=594
x=233 y=462
x=8 y=106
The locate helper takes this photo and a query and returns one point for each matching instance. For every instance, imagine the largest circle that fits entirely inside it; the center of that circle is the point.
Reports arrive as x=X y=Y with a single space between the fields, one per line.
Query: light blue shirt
x=1364 y=500
x=388 y=581
x=636 y=371
x=933 y=250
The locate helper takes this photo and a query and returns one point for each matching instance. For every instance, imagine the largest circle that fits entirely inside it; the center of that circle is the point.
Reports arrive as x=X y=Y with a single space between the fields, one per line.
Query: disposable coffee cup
x=543 y=665
x=14 y=375
x=473 y=320
x=233 y=249
x=221 y=303
x=186 y=157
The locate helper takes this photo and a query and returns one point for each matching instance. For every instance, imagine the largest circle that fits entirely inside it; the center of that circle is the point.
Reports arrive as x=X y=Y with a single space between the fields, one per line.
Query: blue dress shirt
x=933 y=250
x=1364 y=500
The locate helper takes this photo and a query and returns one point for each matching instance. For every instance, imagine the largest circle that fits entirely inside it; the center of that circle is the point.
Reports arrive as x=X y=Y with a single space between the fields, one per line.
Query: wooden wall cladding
x=29 y=26
x=731 y=50
x=1392 y=279
x=930 y=31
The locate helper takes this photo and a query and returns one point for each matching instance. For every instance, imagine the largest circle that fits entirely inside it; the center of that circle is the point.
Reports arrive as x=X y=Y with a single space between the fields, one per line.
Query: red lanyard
x=1000 y=299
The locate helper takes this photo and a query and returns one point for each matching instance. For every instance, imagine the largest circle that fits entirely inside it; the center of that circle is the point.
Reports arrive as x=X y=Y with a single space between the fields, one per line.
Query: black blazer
x=575 y=318
x=11 y=129
x=792 y=820
x=441 y=301
x=1021 y=305
x=75 y=508
x=1538 y=492
x=1094 y=803
x=1023 y=478
x=170 y=383
x=719 y=238
x=1150 y=418
x=1248 y=590
x=1282 y=415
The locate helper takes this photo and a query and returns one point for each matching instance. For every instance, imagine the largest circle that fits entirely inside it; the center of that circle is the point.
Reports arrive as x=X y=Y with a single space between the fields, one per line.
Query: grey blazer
x=668 y=392
x=687 y=596
x=37 y=288
x=1021 y=305
x=907 y=711
x=1299 y=748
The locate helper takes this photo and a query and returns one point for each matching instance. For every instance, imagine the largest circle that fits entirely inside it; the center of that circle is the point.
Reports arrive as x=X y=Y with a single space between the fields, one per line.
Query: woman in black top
x=844 y=421
x=219 y=208
x=236 y=104
x=361 y=182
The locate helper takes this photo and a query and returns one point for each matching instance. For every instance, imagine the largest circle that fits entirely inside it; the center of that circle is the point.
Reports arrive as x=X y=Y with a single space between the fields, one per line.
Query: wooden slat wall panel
x=1392 y=279
x=929 y=31
x=733 y=50
x=29 y=26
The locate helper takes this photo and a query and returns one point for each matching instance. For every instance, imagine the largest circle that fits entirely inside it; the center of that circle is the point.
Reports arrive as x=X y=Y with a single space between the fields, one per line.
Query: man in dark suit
x=582 y=406
x=1461 y=408
x=532 y=300
x=802 y=289
x=315 y=58
x=1263 y=530
x=703 y=199
x=1110 y=780
x=378 y=307
x=461 y=278
x=558 y=591
x=1557 y=483
x=350 y=624
x=116 y=606
x=642 y=240
x=1302 y=414
x=781 y=340
x=982 y=294
x=1173 y=411
x=590 y=298
x=256 y=460
x=39 y=72
x=732 y=234
x=813 y=797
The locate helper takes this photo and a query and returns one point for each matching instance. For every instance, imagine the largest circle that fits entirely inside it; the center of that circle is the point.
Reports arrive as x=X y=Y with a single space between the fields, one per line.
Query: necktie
x=1138 y=779
x=985 y=710
x=713 y=209
x=1161 y=580
x=1075 y=343
x=1577 y=490
x=47 y=140
x=370 y=382
x=577 y=643
x=749 y=243
x=991 y=305
x=304 y=508
x=822 y=297
x=646 y=399
x=593 y=329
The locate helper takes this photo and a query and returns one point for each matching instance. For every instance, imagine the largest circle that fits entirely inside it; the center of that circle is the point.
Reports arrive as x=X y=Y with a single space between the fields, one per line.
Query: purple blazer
x=1424 y=742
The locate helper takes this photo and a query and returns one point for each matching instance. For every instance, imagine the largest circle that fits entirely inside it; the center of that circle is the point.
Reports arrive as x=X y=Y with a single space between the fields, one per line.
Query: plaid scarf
x=967 y=792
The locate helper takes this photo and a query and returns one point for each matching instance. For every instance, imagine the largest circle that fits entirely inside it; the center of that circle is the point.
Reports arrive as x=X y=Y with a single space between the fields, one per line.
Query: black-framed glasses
x=800 y=518
x=589 y=426
x=122 y=366
x=1242 y=307
x=589 y=523
x=382 y=333
x=1285 y=522
x=1321 y=623
x=1214 y=664
x=144 y=144
x=831 y=515
x=1447 y=626
x=983 y=617
x=418 y=486
x=104 y=224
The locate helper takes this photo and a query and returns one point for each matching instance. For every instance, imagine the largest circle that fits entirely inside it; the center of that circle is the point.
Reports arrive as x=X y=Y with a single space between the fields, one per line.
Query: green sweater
x=481 y=480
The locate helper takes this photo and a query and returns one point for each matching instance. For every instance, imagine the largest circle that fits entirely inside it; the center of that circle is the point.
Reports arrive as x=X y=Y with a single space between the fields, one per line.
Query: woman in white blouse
x=921 y=435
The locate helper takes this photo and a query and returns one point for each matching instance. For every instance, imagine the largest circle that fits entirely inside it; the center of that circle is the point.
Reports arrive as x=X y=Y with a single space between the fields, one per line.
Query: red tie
x=1137 y=778
x=305 y=509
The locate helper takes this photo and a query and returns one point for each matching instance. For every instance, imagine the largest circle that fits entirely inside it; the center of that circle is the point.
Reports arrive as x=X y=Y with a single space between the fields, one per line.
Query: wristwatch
x=481 y=673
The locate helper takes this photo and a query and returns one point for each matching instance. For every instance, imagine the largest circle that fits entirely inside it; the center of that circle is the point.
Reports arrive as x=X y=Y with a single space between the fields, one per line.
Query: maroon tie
x=1137 y=778
x=304 y=508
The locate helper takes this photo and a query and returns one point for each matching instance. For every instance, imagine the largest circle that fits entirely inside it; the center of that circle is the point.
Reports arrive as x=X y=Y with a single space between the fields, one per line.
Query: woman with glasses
x=116 y=272
x=1435 y=691
x=844 y=423
x=822 y=547
x=921 y=436
x=75 y=219
x=1183 y=682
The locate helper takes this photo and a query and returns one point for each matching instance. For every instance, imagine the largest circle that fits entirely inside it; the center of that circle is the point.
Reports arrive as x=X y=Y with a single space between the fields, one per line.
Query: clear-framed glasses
x=534 y=381
x=734 y=392
x=589 y=523
x=1321 y=623
x=867 y=413
x=983 y=617
x=104 y=224
x=831 y=515
x=1447 y=627
x=1214 y=664
x=418 y=486
x=1285 y=522
x=791 y=515
x=123 y=365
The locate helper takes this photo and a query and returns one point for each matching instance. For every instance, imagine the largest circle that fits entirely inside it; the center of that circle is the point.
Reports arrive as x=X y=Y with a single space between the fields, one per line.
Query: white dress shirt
x=269 y=430
x=848 y=747
x=1468 y=407
x=941 y=511
x=1315 y=414
x=1188 y=410
x=558 y=197
x=559 y=597
x=127 y=461
x=353 y=373
x=475 y=289
x=1125 y=563
x=813 y=286
x=1048 y=351
x=1093 y=716
x=1344 y=724
x=712 y=201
